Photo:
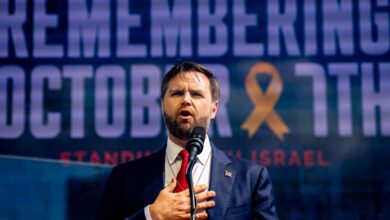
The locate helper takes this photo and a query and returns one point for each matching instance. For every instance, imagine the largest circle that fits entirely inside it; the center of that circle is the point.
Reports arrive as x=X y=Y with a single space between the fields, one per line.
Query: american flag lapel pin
x=228 y=173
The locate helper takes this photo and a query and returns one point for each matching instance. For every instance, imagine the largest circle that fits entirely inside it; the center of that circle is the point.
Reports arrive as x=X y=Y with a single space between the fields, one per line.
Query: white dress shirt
x=200 y=173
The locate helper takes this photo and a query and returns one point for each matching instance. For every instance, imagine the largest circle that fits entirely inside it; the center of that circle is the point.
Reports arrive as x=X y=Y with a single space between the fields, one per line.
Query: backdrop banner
x=305 y=91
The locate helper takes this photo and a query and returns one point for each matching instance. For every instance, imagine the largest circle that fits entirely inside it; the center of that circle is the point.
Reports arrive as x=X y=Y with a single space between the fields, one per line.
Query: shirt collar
x=173 y=151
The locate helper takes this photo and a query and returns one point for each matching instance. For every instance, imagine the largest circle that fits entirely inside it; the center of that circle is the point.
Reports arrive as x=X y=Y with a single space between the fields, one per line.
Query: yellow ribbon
x=264 y=103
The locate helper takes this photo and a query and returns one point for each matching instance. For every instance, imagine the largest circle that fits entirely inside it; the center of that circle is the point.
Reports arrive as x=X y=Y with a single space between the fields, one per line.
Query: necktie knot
x=181 y=176
x=184 y=155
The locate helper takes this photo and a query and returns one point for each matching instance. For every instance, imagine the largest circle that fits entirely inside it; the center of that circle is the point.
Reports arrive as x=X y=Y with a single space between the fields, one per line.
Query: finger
x=205 y=196
x=197 y=189
x=205 y=205
x=184 y=208
x=202 y=215
x=200 y=188
x=171 y=186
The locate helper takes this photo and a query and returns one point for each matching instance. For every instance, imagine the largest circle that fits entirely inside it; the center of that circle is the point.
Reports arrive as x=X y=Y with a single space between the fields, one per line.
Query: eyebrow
x=181 y=89
x=174 y=90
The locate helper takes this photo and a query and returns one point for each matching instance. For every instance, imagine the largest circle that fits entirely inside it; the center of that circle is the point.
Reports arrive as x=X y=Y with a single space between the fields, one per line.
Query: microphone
x=194 y=147
x=195 y=143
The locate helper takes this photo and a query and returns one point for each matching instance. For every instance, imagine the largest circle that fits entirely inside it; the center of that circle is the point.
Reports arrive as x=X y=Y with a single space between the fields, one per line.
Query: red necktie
x=181 y=176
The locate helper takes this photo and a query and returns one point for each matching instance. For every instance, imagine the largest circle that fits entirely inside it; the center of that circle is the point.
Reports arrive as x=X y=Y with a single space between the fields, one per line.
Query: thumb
x=171 y=186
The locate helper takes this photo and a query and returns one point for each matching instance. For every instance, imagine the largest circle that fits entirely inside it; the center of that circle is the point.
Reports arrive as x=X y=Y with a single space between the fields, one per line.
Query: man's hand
x=170 y=205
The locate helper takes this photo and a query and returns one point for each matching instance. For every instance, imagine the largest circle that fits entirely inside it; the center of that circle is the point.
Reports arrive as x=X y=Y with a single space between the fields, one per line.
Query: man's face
x=187 y=103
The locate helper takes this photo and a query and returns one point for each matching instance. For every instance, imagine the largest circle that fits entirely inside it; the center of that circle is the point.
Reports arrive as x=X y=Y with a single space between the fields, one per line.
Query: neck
x=182 y=143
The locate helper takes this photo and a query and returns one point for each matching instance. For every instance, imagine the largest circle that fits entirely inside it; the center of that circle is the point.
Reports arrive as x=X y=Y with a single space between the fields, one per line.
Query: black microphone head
x=196 y=140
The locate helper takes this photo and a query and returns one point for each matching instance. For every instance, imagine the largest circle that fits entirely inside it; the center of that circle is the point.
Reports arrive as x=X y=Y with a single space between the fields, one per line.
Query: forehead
x=193 y=79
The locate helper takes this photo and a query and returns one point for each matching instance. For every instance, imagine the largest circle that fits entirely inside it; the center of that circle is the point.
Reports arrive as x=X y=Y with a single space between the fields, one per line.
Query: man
x=148 y=188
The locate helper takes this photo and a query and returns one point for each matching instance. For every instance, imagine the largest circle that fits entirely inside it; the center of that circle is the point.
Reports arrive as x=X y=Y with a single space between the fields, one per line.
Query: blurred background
x=79 y=93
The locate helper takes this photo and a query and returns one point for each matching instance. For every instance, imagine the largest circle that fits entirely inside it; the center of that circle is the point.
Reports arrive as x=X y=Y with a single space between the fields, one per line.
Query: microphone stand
x=191 y=188
x=194 y=146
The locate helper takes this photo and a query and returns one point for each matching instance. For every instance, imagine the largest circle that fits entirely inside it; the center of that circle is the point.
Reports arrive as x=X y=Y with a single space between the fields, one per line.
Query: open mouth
x=185 y=113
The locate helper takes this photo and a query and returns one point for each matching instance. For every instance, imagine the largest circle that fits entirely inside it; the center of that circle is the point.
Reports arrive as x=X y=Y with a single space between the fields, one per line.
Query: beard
x=179 y=130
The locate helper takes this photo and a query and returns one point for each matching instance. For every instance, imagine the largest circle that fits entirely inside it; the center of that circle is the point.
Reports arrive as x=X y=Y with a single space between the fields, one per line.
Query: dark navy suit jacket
x=243 y=192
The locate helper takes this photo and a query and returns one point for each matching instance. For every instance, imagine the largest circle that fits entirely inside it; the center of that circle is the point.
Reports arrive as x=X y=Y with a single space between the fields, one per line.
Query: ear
x=214 y=109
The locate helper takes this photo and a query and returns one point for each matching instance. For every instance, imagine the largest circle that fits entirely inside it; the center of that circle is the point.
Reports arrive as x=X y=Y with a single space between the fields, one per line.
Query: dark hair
x=189 y=66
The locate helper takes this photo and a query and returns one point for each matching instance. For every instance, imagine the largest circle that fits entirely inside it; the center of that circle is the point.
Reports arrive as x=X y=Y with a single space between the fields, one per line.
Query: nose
x=186 y=99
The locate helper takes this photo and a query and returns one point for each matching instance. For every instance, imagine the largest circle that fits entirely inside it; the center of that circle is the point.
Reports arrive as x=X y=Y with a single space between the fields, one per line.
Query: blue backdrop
x=305 y=91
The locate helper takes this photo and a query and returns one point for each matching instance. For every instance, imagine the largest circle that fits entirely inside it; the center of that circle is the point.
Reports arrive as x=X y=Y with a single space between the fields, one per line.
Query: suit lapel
x=152 y=190
x=222 y=178
x=156 y=177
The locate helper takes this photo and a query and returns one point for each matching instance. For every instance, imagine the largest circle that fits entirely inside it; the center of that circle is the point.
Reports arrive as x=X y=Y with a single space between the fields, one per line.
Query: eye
x=176 y=93
x=196 y=94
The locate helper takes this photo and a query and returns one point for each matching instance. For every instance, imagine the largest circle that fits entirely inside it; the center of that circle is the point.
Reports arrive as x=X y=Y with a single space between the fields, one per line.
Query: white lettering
x=282 y=24
x=87 y=28
x=338 y=27
x=42 y=21
x=343 y=72
x=378 y=26
x=125 y=21
x=12 y=101
x=77 y=76
x=241 y=20
x=222 y=120
x=13 y=23
x=110 y=106
x=175 y=28
x=310 y=28
x=42 y=123
x=145 y=108
x=317 y=73
x=372 y=99
x=212 y=25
